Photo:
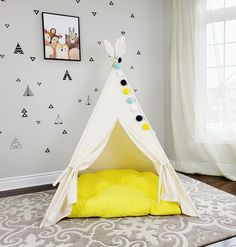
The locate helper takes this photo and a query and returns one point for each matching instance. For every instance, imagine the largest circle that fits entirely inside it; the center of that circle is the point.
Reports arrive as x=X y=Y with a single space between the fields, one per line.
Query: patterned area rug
x=21 y=215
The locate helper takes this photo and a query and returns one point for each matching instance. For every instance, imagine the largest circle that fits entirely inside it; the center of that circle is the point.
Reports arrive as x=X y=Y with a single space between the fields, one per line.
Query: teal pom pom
x=130 y=100
x=117 y=66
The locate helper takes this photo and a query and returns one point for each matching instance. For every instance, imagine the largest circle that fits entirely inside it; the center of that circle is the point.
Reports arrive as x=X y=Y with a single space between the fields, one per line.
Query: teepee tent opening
x=117 y=127
x=121 y=153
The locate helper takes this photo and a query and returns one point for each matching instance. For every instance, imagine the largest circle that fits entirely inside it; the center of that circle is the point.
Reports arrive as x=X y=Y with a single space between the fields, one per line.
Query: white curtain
x=203 y=86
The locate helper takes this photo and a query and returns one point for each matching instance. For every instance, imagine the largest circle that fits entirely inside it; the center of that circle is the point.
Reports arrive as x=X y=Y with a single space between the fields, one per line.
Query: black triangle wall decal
x=18 y=49
x=88 y=102
x=67 y=75
x=36 y=11
x=58 y=120
x=28 y=92
x=15 y=144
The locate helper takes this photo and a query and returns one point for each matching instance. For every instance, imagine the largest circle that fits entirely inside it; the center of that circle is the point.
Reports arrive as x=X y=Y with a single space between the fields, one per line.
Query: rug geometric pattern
x=21 y=215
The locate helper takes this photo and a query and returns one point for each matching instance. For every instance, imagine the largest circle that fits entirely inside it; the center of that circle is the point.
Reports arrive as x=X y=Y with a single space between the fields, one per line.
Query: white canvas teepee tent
x=117 y=106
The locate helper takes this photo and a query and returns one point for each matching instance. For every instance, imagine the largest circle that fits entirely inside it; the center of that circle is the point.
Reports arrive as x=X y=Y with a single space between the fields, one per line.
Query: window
x=220 y=70
x=219 y=4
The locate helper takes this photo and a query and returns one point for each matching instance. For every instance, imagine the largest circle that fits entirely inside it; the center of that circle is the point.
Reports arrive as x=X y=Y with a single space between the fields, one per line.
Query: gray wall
x=168 y=138
x=143 y=33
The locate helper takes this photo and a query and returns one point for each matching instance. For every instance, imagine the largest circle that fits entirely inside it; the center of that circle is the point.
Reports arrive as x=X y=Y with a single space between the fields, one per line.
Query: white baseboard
x=212 y=169
x=28 y=180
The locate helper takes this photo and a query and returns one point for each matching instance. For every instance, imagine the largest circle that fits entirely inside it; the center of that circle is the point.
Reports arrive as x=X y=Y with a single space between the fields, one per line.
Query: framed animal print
x=61 y=37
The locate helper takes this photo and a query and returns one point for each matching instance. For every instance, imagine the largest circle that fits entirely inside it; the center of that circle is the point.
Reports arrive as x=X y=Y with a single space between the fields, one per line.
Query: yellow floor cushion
x=117 y=193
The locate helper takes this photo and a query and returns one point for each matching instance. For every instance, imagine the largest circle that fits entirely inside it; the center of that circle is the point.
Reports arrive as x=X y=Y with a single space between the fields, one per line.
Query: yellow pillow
x=117 y=193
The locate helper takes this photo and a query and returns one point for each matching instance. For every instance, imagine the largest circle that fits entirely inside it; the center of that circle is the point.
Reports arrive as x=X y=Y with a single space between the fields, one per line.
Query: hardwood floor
x=226 y=243
x=218 y=182
x=26 y=190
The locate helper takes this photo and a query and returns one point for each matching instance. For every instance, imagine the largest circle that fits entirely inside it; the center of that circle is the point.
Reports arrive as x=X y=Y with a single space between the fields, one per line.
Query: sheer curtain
x=203 y=86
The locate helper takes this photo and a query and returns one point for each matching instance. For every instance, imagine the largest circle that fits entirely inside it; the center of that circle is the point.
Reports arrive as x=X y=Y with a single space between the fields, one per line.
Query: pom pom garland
x=134 y=108
x=146 y=126
x=126 y=91
x=139 y=118
x=117 y=66
x=123 y=82
x=130 y=100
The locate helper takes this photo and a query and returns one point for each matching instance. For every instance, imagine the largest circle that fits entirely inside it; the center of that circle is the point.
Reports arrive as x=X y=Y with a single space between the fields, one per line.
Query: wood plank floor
x=218 y=182
x=26 y=190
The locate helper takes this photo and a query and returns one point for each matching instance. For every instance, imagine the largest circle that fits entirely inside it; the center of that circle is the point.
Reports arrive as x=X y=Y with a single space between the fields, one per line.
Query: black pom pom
x=123 y=82
x=119 y=60
x=139 y=118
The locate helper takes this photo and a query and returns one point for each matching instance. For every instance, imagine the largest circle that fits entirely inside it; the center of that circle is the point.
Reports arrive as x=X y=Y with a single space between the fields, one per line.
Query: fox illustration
x=62 y=51
x=51 y=39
